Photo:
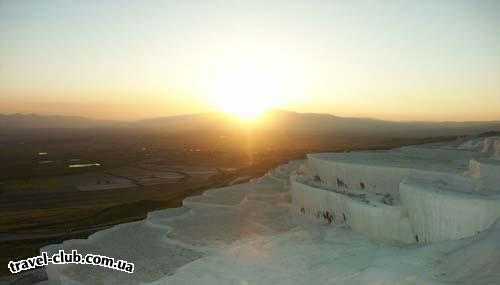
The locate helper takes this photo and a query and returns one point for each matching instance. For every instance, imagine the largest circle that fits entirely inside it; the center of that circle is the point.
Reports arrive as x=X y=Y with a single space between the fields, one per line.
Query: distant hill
x=34 y=121
x=192 y=122
x=275 y=121
x=312 y=123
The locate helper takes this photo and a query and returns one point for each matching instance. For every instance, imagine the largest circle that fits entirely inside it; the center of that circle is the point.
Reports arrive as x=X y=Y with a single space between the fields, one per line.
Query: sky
x=395 y=60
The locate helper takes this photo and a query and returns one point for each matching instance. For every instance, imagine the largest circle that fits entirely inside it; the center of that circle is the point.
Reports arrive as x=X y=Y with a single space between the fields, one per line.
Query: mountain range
x=277 y=121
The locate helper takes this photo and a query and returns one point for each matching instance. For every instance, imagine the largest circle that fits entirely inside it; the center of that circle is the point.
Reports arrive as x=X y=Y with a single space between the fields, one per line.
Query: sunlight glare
x=246 y=91
x=246 y=85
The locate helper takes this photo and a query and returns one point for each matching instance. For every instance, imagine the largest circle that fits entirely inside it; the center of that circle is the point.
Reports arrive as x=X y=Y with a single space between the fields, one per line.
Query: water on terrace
x=421 y=158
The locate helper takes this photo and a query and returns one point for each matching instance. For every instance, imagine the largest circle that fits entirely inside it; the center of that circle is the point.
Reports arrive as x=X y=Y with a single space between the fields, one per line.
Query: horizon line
x=223 y=113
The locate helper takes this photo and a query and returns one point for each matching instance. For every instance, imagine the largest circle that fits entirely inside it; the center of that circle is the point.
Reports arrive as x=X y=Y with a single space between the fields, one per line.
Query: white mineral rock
x=415 y=215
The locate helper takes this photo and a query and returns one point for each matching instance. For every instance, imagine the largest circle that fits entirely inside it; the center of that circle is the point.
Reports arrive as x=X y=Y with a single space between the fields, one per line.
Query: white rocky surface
x=416 y=215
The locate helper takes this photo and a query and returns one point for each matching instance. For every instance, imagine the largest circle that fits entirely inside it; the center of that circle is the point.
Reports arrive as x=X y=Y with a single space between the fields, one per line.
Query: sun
x=248 y=81
x=246 y=90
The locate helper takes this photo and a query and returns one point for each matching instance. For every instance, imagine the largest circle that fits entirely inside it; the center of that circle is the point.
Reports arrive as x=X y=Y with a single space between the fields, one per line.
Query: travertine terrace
x=415 y=215
x=417 y=194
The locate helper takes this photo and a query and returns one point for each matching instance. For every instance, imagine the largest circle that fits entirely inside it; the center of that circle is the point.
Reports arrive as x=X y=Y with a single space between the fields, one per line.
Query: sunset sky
x=396 y=60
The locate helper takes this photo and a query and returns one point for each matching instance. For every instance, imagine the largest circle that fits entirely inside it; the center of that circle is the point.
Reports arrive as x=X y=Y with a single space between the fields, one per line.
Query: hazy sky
x=398 y=60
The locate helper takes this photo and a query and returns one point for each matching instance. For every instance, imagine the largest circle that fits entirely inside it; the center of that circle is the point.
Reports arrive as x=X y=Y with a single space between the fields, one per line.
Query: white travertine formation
x=474 y=262
x=491 y=146
x=362 y=213
x=486 y=171
x=383 y=171
x=439 y=212
x=444 y=192
x=416 y=215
